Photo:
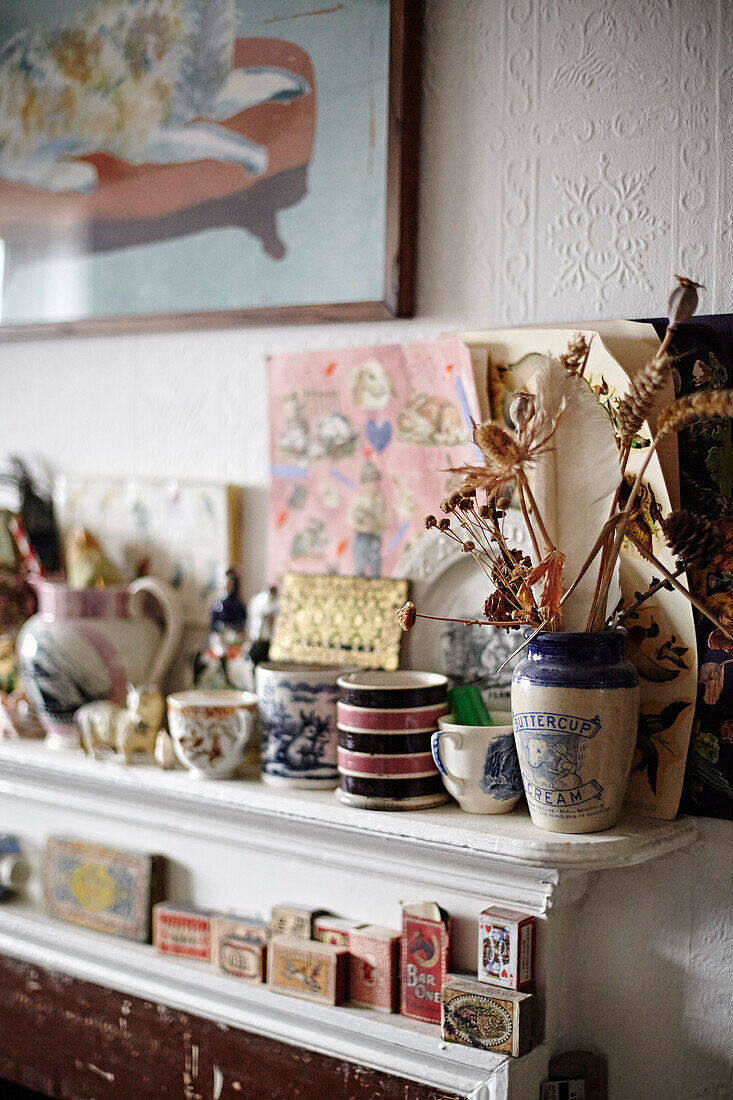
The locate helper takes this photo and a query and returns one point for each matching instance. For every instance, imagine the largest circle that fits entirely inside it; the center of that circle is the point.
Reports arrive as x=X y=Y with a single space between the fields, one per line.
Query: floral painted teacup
x=479 y=765
x=211 y=730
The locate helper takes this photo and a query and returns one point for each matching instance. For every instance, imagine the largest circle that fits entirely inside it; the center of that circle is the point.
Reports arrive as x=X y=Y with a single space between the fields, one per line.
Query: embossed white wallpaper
x=576 y=153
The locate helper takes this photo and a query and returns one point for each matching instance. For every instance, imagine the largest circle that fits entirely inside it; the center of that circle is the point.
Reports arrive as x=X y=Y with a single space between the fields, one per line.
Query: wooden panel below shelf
x=72 y=1040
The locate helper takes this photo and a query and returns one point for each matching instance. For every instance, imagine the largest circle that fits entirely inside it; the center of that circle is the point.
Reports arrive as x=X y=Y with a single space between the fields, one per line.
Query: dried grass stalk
x=574 y=359
x=696 y=406
x=635 y=406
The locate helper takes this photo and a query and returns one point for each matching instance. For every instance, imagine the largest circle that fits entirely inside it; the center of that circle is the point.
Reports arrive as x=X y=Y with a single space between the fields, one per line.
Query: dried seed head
x=635 y=406
x=444 y=524
x=693 y=540
x=407 y=616
x=468 y=546
x=522 y=409
x=430 y=521
x=574 y=358
x=496 y=445
x=687 y=410
x=484 y=511
x=682 y=301
x=466 y=505
x=502 y=504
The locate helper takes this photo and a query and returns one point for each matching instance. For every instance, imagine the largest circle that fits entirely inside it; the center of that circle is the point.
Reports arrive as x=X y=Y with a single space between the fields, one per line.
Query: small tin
x=246 y=959
x=375 y=968
x=335 y=930
x=424 y=959
x=506 y=941
x=242 y=927
x=102 y=888
x=307 y=969
x=487 y=1016
x=183 y=931
x=294 y=921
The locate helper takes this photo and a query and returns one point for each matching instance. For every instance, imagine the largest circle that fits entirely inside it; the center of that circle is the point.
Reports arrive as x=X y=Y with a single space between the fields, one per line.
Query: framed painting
x=197 y=163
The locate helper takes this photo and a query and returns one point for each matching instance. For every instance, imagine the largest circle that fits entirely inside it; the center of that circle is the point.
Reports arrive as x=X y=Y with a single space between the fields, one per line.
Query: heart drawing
x=379 y=435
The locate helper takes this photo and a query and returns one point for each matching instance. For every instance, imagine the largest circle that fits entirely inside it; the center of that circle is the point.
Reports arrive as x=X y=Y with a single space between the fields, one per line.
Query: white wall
x=575 y=156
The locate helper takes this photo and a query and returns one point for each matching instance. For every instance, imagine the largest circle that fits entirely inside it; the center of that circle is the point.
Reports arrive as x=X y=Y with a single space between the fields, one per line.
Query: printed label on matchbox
x=525 y=953
x=176 y=934
x=424 y=945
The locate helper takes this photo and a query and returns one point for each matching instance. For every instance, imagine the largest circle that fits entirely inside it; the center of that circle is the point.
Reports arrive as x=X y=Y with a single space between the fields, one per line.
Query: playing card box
x=308 y=969
x=225 y=925
x=102 y=888
x=489 y=1017
x=243 y=958
x=183 y=930
x=336 y=930
x=375 y=968
x=506 y=943
x=294 y=921
x=423 y=959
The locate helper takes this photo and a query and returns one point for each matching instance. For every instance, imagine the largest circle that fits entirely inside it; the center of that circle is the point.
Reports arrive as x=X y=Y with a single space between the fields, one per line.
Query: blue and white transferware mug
x=297 y=705
x=479 y=765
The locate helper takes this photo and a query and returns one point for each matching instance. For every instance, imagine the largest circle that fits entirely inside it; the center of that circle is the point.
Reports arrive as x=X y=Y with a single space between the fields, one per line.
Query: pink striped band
x=386 y=765
x=364 y=718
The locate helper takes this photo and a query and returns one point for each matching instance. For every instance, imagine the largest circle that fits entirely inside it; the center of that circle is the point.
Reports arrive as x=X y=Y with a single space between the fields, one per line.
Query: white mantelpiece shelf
x=470 y=853
x=242 y=845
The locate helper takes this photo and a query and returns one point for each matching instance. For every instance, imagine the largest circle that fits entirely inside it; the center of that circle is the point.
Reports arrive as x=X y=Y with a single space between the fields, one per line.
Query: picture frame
x=96 y=244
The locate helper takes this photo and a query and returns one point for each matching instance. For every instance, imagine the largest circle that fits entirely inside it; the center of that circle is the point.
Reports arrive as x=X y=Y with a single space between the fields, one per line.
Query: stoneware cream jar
x=575 y=706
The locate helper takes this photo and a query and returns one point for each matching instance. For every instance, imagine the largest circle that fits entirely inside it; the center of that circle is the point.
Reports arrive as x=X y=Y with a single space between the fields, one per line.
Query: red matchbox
x=424 y=959
x=183 y=931
x=336 y=930
x=375 y=968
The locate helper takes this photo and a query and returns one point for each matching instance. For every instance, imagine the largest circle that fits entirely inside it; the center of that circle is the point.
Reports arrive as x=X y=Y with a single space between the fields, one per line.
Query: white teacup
x=479 y=766
x=211 y=730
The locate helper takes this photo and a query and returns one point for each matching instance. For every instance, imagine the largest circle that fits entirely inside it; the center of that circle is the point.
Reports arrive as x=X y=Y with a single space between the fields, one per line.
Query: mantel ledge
x=521 y=863
x=390 y=1043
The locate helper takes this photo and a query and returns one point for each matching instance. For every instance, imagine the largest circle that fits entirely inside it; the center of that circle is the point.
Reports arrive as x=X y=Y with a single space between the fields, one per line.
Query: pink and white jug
x=89 y=644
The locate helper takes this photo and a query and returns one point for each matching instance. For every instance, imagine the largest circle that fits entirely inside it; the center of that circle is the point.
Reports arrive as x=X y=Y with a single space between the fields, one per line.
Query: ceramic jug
x=89 y=644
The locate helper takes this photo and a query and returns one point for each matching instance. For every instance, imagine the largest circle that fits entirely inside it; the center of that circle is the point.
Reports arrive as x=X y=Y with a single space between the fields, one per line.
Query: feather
x=575 y=480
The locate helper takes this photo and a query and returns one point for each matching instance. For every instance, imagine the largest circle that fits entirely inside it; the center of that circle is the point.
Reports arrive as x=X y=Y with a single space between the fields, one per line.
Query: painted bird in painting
x=147 y=81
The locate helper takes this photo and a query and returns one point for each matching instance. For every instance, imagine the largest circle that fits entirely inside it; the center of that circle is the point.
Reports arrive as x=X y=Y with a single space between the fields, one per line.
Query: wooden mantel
x=243 y=846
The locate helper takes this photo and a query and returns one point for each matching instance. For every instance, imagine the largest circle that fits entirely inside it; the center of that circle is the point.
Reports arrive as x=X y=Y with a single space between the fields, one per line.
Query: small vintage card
x=424 y=959
x=102 y=888
x=506 y=944
x=307 y=969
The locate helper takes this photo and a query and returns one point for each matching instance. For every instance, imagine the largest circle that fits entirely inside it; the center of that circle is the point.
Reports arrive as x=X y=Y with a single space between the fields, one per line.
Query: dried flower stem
x=549 y=544
x=619 y=617
x=680 y=587
x=530 y=528
x=474 y=622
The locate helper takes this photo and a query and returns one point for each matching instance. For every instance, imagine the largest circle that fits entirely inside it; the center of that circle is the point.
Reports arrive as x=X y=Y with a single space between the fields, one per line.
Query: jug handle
x=170 y=605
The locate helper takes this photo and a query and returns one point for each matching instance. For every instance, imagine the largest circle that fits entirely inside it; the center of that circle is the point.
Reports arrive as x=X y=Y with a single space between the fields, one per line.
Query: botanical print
x=164 y=154
x=354 y=435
